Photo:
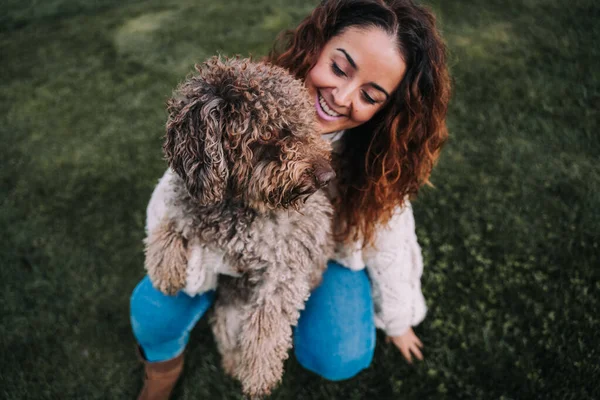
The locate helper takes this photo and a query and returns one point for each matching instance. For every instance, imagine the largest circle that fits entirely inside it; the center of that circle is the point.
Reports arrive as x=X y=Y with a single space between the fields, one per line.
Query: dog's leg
x=166 y=258
x=266 y=328
x=225 y=325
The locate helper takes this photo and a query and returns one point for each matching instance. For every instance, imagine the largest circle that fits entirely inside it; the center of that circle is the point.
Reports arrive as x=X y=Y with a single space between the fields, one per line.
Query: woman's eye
x=368 y=98
x=337 y=70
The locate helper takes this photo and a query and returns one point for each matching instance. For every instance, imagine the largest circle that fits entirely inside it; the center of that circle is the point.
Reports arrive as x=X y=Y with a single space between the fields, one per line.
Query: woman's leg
x=162 y=324
x=335 y=336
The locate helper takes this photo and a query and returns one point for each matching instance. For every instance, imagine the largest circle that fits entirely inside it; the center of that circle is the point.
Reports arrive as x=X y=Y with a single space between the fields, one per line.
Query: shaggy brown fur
x=249 y=164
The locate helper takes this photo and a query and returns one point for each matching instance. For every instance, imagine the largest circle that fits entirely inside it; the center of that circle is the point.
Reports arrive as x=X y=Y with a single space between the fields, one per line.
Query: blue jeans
x=335 y=335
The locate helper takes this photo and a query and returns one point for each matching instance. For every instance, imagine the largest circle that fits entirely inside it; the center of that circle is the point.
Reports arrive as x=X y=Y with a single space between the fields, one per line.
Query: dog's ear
x=193 y=144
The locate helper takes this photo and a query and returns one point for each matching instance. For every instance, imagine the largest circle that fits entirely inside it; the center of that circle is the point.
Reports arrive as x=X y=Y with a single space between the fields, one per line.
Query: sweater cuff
x=397 y=331
x=399 y=327
x=390 y=329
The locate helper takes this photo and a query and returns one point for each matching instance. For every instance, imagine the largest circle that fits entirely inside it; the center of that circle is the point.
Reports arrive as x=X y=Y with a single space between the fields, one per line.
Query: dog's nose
x=324 y=174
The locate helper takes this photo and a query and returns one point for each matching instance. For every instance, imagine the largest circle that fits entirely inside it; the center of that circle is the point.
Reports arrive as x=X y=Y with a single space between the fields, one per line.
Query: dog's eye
x=272 y=152
x=286 y=133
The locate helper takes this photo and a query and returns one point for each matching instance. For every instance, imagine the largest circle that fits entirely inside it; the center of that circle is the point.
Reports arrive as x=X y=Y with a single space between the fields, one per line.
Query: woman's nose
x=342 y=96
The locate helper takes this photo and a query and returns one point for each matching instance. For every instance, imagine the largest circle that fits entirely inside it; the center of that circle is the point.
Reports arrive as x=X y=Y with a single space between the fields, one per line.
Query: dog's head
x=246 y=130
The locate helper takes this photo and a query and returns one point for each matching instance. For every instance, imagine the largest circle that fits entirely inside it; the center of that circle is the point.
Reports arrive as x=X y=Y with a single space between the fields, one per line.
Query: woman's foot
x=160 y=377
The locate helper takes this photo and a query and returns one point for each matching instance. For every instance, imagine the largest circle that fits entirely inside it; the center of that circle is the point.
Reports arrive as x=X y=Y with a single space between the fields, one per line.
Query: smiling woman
x=377 y=71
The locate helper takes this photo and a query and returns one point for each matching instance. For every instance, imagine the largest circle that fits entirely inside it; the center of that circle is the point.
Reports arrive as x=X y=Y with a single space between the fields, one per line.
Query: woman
x=377 y=70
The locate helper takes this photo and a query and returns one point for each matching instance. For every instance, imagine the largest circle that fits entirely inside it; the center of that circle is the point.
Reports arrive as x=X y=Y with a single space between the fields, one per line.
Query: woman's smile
x=324 y=110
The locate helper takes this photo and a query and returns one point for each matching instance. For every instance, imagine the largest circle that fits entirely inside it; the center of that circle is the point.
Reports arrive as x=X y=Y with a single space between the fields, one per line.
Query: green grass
x=510 y=235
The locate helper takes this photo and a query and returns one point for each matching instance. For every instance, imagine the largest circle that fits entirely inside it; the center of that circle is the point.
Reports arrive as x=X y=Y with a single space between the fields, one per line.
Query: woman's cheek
x=361 y=116
x=320 y=75
x=368 y=112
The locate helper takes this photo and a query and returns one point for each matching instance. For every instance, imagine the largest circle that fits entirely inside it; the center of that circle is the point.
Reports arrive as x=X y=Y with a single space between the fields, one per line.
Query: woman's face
x=355 y=75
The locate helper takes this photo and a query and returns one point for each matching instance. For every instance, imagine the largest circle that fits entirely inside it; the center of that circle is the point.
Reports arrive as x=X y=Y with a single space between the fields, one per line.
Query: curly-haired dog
x=248 y=165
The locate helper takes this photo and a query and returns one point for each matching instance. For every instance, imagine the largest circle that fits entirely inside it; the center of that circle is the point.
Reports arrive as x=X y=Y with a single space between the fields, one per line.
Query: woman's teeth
x=326 y=108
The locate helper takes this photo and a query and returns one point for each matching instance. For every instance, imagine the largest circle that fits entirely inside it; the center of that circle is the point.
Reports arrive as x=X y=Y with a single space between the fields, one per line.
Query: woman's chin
x=328 y=126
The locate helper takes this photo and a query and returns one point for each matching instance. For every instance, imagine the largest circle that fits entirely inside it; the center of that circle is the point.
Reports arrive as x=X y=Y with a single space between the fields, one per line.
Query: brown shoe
x=160 y=377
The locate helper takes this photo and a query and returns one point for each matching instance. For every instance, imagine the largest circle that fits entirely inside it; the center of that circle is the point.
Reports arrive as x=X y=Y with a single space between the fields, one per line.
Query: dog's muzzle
x=323 y=175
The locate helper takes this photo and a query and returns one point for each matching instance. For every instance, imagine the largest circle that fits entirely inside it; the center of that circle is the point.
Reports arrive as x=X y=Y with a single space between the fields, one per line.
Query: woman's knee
x=333 y=365
x=156 y=317
x=335 y=336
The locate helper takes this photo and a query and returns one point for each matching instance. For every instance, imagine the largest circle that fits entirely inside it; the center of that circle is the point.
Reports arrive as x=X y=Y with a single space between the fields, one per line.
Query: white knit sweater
x=394 y=262
x=395 y=265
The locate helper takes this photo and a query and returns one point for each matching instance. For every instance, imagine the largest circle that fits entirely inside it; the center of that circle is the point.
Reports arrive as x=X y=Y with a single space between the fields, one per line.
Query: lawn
x=510 y=233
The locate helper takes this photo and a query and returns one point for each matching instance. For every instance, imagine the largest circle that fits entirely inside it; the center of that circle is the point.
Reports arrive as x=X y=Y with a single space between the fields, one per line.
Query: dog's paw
x=167 y=287
x=166 y=260
x=256 y=393
x=168 y=276
x=261 y=383
x=229 y=366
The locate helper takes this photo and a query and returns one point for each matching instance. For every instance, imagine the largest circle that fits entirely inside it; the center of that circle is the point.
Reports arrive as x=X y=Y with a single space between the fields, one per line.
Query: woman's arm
x=395 y=265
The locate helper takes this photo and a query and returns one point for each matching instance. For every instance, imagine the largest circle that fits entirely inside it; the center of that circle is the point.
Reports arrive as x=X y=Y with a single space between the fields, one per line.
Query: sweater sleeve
x=395 y=265
x=158 y=205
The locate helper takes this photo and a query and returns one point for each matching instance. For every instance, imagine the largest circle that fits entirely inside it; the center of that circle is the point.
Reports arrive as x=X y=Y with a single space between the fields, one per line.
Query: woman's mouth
x=324 y=111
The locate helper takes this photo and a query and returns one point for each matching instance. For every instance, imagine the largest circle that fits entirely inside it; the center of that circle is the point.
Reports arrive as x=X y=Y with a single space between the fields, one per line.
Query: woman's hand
x=408 y=344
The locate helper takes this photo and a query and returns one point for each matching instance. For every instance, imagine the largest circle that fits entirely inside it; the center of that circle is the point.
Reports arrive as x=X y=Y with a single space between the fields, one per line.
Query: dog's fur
x=248 y=166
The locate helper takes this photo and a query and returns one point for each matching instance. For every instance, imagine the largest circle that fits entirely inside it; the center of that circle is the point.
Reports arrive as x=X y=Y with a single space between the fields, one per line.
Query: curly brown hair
x=391 y=156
